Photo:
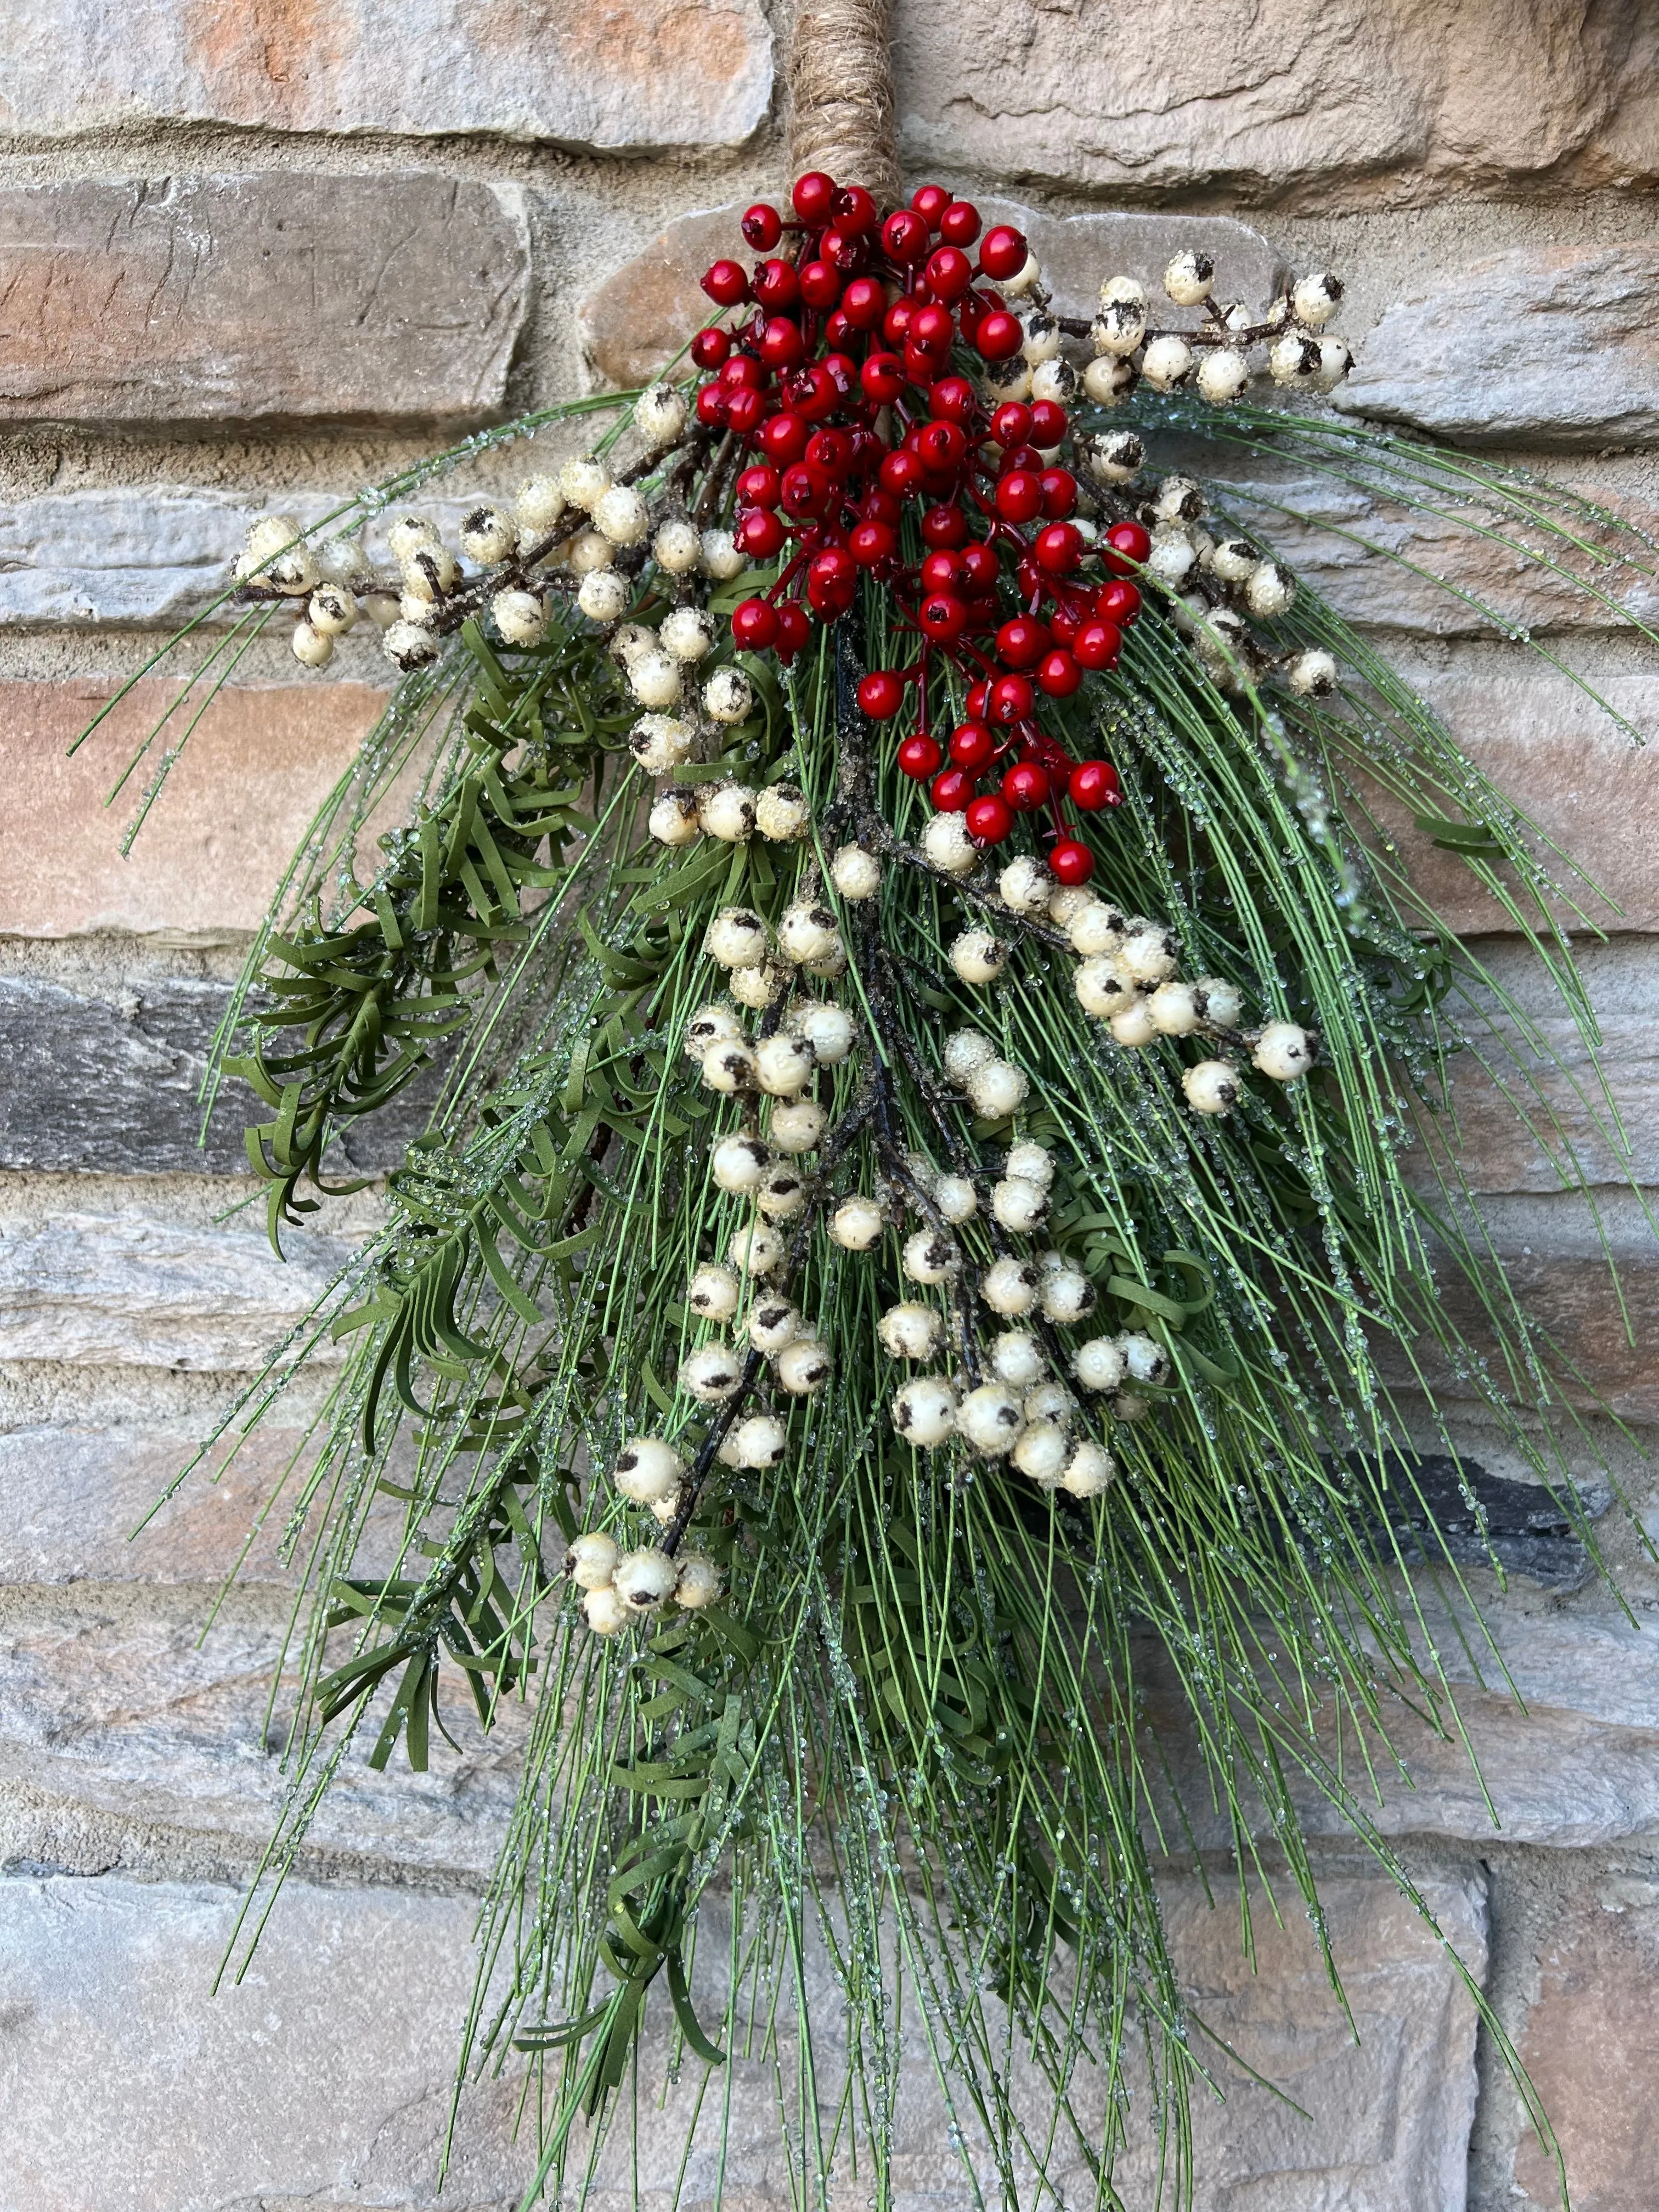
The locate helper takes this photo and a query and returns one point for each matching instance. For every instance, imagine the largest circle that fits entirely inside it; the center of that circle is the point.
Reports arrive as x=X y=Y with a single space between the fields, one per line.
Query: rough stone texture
x=323 y=2079
x=111 y=1713
x=685 y=73
x=266 y=296
x=342 y=2038
x=642 y=316
x=116 y=1087
x=1556 y=348
x=1592 y=2047
x=1340 y=541
x=1569 y=768
x=123 y=1289
x=1541 y=1118
x=71 y=1500
x=1289 y=101
x=213 y=850
x=151 y=558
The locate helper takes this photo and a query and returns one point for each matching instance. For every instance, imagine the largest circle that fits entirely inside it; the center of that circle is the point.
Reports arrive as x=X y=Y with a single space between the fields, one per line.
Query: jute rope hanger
x=840 y=88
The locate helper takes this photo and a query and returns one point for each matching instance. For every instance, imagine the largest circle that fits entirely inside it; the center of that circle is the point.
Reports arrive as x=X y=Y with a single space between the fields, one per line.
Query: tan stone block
x=1305 y=100
x=641 y=316
x=211 y=854
x=619 y=75
x=1565 y=764
x=1554 y=347
x=267 y=296
x=1591 y=2046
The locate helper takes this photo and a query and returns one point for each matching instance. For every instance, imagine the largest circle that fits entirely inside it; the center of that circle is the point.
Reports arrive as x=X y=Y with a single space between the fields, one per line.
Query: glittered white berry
x=728 y=696
x=1219 y=1001
x=796 y=1125
x=1166 y=362
x=947 y=843
x=605 y=1610
x=331 y=609
x=966 y=1052
x=1067 y=1296
x=687 y=633
x=956 y=1198
x=977 y=957
x=648 y=1468
x=807 y=931
x=312 y=648
x=756 y=1250
x=1189 y=279
x=1210 y=1086
x=781 y=813
x=1145 y=1357
x=828 y=1029
x=739 y=1162
x=1315 y=298
x=520 y=617
x=1017 y=1358
x=1284 y=1051
x=583 y=482
x=728 y=1067
x=644 y=1579
x=1109 y=380
x=929 y=1256
x=991 y=1418
x=856 y=1224
x=1132 y=1025
x=1010 y=1286
x=1312 y=674
x=409 y=646
x=924 y=1411
x=803 y=1368
x=602 y=596
x=760 y=1441
x=1096 y=928
x=736 y=938
x=784 y=1065
x=699 y=1582
x=537 y=505
x=720 y=557
x=1025 y=885
x=910 y=1330
x=1103 y=986
x=1018 y=1205
x=1174 y=1009
x=677 y=546
x=660 y=742
x=1099 y=1365
x=1088 y=1471
x=998 y=1090
x=1222 y=375
x=592 y=1560
x=1041 y=1452
x=660 y=415
x=673 y=818
x=855 y=873
x=713 y=1291
x=1271 y=591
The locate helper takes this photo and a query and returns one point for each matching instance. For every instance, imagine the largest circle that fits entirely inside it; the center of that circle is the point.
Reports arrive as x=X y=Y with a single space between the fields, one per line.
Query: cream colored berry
x=998 y=1090
x=1211 y=1087
x=728 y=696
x=956 y=1198
x=605 y=1610
x=796 y=1125
x=737 y=938
x=966 y=1052
x=720 y=557
x=924 y=1411
x=687 y=634
x=520 y=617
x=1025 y=885
x=1145 y=1357
x=312 y=648
x=1017 y=1206
x=1088 y=1471
x=728 y=1068
x=712 y=1374
x=1067 y=1296
x=1041 y=1452
x=583 y=482
x=761 y=1441
x=1031 y=1163
x=592 y=1560
x=1174 y=1009
x=1017 y=1358
x=757 y=987
x=645 y=1579
x=677 y=546
x=1010 y=1286
x=711 y=1025
x=929 y=1256
x=1132 y=1025
x=713 y=1291
x=660 y=742
x=803 y=1368
x=699 y=1582
x=990 y=1419
x=782 y=1193
x=1218 y=1001
x=756 y=1250
x=910 y=1330
x=948 y=845
x=1284 y=1051
x=978 y=957
x=1098 y=1364
x=648 y=1468
x=331 y=610
x=1095 y=929
x=781 y=813
x=828 y=1028
x=808 y=930
x=654 y=680
x=855 y=873
x=537 y=504
x=856 y=1224
x=603 y=596
x=1102 y=986
x=737 y=1162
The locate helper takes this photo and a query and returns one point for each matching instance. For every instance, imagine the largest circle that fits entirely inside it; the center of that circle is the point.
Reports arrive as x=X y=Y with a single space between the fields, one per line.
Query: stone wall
x=266 y=250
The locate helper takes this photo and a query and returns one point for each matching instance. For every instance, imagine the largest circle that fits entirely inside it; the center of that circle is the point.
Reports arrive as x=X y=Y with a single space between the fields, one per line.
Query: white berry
x=991 y=1418
x=781 y=813
x=645 y=1578
x=828 y=1028
x=678 y=547
x=711 y=1374
x=1067 y=1296
x=756 y=1250
x=713 y=1291
x=978 y=957
x=796 y=1125
x=1042 y=1451
x=924 y=1411
x=1017 y=1358
x=1088 y=1471
x=1010 y=1286
x=930 y=1257
x=856 y=1224
x=592 y=1560
x=855 y=873
x=1212 y=1087
x=1018 y=1205
x=784 y=1065
x=998 y=1090
x=737 y=938
x=1284 y=1051
x=648 y=1468
x=909 y=1330
x=699 y=1582
x=803 y=1367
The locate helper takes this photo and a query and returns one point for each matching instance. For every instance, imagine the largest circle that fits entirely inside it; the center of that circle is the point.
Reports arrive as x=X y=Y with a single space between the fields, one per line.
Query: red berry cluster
x=839 y=379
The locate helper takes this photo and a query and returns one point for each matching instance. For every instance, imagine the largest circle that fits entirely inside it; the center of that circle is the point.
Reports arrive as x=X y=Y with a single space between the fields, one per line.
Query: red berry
x=946 y=526
x=1011 y=701
x=881 y=694
x=1011 y=425
x=1049 y=422
x=725 y=283
x=959 y=224
x=953 y=790
x=761 y=227
x=1020 y=495
x=743 y=373
x=864 y=303
x=978 y=697
x=815 y=392
x=806 y=491
x=880 y=506
x=754 y=625
x=1065 y=622
x=979 y=562
x=943 y=617
x=745 y=410
x=1098 y=644
x=831 y=582
x=871 y=543
x=949 y=273
x=820 y=285
x=1058 y=549
x=999 y=336
x=1126 y=543
x=844 y=250
x=793 y=629
x=988 y=820
x=902 y=474
x=758 y=486
x=953 y=398
x=1059 y=493
x=854 y=211
x=777 y=285
x=931 y=329
x=781 y=343
x=942 y=448
x=1094 y=784
x=897 y=321
x=882 y=377
x=940 y=572
x=839 y=332
x=972 y=746
x=1020 y=457
x=710 y=347
x=783 y=439
x=921 y=363
x=1059 y=674
x=905 y=235
x=1117 y=601
x=813 y=196
x=711 y=405
x=1070 y=862
x=930 y=202
x=1003 y=251
x=1025 y=788
x=919 y=755
x=830 y=451
x=759 y=533
x=1022 y=642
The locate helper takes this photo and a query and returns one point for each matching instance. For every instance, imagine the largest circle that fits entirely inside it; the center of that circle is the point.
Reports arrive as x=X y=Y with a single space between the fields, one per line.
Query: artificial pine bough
x=915 y=1242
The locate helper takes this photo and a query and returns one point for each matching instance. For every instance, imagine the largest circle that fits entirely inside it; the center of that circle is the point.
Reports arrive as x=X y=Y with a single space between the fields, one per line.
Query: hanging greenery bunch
x=916 y=1240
